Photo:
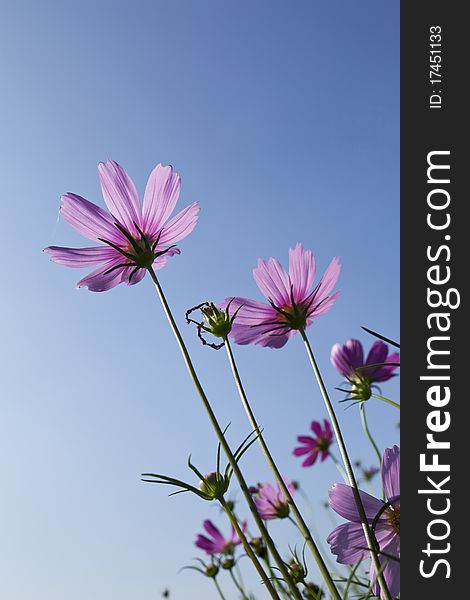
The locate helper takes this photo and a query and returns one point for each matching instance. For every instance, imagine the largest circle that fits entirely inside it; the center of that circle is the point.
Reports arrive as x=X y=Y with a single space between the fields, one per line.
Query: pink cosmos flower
x=314 y=446
x=270 y=501
x=133 y=237
x=293 y=304
x=216 y=543
x=348 y=541
x=349 y=361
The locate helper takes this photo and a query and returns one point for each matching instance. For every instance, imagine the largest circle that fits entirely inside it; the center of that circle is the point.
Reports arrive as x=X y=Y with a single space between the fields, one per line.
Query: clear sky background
x=282 y=119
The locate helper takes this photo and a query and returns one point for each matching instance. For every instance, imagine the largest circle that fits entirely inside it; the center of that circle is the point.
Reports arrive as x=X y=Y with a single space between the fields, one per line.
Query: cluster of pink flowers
x=134 y=238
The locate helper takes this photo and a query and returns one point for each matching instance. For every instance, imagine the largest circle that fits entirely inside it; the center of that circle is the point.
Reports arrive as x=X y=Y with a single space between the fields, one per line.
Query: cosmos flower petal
x=348 y=543
x=248 y=325
x=329 y=278
x=160 y=198
x=213 y=531
x=311 y=459
x=391 y=571
x=324 y=307
x=120 y=195
x=206 y=544
x=80 y=257
x=340 y=360
x=301 y=271
x=385 y=372
x=273 y=281
x=301 y=450
x=391 y=472
x=342 y=501
x=130 y=276
x=89 y=220
x=354 y=354
x=180 y=225
x=316 y=428
x=102 y=279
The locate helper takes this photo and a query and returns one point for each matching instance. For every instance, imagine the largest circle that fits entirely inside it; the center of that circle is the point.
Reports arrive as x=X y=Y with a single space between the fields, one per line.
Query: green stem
x=222 y=597
x=370 y=538
x=387 y=400
x=246 y=544
x=339 y=466
x=303 y=528
x=276 y=580
x=368 y=433
x=226 y=448
x=238 y=585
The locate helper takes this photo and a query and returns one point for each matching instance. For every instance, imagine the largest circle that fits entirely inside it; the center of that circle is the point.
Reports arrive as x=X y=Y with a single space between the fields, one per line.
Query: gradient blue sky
x=282 y=119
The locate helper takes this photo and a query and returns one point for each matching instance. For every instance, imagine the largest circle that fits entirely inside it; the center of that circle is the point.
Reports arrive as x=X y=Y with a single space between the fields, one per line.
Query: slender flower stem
x=387 y=400
x=368 y=433
x=276 y=580
x=222 y=597
x=303 y=528
x=370 y=538
x=224 y=444
x=246 y=544
x=238 y=585
x=339 y=466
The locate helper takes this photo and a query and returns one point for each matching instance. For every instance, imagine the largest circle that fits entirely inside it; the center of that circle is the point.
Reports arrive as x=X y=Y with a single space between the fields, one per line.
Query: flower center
x=295 y=316
x=282 y=510
x=323 y=444
x=360 y=388
x=141 y=252
x=394 y=519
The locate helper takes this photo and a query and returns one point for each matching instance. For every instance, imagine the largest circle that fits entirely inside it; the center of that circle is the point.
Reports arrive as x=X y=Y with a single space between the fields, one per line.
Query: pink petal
x=316 y=428
x=80 y=257
x=100 y=280
x=310 y=460
x=213 y=531
x=329 y=279
x=301 y=450
x=120 y=195
x=301 y=271
x=89 y=220
x=340 y=361
x=348 y=543
x=160 y=261
x=126 y=273
x=273 y=281
x=392 y=569
x=248 y=325
x=160 y=198
x=181 y=225
x=324 y=307
x=391 y=472
x=342 y=501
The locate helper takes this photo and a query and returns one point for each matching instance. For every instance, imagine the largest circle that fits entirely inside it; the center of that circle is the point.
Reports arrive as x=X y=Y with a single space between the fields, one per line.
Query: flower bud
x=296 y=571
x=214 y=485
x=312 y=591
x=361 y=389
x=259 y=547
x=217 y=321
x=227 y=564
x=212 y=570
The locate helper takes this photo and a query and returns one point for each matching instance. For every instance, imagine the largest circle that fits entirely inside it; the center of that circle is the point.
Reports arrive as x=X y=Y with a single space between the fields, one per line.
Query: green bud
x=259 y=547
x=214 y=486
x=296 y=571
x=361 y=389
x=217 y=321
x=312 y=591
x=227 y=564
x=212 y=570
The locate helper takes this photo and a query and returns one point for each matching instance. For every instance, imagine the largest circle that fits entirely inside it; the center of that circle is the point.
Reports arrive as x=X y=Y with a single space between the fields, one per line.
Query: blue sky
x=283 y=121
